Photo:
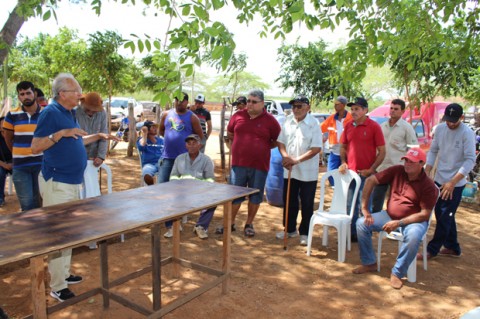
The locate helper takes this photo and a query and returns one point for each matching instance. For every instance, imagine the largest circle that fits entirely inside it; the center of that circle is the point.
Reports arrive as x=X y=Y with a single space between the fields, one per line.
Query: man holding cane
x=299 y=143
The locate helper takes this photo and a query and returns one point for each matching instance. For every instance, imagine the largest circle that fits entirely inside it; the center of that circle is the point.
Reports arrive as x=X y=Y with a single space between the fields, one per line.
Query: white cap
x=200 y=98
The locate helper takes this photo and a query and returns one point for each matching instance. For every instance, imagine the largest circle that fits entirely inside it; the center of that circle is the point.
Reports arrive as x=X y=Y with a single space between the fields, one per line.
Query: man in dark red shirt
x=412 y=198
x=362 y=150
x=253 y=133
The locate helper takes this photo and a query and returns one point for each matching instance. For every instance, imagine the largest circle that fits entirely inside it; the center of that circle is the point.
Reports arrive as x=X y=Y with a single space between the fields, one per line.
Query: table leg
x=176 y=247
x=227 y=232
x=156 y=267
x=37 y=271
x=104 y=272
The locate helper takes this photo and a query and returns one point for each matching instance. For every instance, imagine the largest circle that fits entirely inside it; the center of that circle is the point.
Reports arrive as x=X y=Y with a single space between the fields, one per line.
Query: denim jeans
x=3 y=177
x=334 y=162
x=446 y=229
x=25 y=180
x=249 y=177
x=358 y=202
x=305 y=191
x=165 y=166
x=412 y=234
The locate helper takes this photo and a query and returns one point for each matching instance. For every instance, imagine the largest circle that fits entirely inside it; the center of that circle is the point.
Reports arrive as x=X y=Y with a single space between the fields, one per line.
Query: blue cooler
x=274 y=183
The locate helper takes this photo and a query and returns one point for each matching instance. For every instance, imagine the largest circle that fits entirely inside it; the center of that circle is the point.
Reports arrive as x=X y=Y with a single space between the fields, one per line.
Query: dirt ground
x=267 y=282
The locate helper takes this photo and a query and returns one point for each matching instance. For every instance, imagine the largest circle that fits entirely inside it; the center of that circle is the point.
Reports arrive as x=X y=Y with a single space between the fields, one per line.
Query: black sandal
x=248 y=230
x=219 y=230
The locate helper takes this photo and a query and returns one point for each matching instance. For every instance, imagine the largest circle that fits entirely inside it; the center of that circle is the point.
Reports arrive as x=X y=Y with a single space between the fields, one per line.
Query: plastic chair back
x=340 y=192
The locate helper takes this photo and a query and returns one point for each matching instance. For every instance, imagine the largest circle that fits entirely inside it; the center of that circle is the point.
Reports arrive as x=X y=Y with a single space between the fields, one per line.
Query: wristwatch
x=50 y=137
x=401 y=223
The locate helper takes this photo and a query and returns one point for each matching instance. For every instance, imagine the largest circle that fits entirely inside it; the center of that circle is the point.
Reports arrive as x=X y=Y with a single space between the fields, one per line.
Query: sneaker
x=201 y=232
x=449 y=252
x=303 y=240
x=281 y=234
x=169 y=233
x=72 y=280
x=62 y=295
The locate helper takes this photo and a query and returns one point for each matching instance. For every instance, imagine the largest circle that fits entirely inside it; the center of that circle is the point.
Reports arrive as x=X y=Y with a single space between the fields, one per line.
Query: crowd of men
x=51 y=150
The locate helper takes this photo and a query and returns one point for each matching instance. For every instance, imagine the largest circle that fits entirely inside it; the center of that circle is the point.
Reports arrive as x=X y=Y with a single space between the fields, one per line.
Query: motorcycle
x=122 y=132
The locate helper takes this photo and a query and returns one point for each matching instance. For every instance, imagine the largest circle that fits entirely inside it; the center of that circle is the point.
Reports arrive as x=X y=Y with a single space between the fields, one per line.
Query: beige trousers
x=56 y=193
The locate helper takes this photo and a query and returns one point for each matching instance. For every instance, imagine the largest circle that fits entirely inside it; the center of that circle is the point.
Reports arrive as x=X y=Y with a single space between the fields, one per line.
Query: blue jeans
x=25 y=180
x=3 y=177
x=412 y=234
x=305 y=191
x=249 y=177
x=358 y=202
x=334 y=162
x=165 y=166
x=446 y=229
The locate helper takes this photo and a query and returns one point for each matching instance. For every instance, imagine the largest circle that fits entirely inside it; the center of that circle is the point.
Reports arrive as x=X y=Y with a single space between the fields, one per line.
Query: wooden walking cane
x=287 y=202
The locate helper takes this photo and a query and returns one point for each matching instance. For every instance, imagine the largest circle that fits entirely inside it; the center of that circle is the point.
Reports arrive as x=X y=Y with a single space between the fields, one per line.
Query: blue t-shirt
x=177 y=128
x=66 y=160
x=151 y=152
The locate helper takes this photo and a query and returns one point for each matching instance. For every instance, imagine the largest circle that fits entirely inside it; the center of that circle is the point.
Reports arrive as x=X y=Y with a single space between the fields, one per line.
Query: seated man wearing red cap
x=412 y=198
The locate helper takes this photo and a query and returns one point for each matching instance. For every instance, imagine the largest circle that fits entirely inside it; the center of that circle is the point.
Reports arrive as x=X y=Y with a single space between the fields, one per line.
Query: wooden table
x=35 y=234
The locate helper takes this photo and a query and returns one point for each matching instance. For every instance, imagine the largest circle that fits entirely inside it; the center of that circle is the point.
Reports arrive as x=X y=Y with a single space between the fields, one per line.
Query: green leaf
x=186 y=10
x=148 y=45
x=140 y=45
x=217 y=52
x=200 y=12
x=47 y=15
x=217 y=4
x=157 y=44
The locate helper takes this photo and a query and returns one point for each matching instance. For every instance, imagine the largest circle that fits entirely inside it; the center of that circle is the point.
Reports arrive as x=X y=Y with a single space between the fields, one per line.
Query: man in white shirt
x=399 y=137
x=300 y=142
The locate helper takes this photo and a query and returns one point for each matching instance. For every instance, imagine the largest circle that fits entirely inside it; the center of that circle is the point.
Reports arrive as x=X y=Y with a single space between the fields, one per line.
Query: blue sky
x=128 y=19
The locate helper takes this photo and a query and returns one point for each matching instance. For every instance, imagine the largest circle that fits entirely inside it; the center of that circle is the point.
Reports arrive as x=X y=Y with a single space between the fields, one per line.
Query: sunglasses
x=297 y=106
x=253 y=101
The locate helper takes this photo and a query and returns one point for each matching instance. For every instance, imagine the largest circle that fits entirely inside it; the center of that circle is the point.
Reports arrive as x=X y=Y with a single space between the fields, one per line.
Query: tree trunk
x=10 y=30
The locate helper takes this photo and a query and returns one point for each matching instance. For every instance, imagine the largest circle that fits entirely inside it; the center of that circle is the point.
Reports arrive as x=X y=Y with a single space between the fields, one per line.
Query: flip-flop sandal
x=249 y=231
x=219 y=230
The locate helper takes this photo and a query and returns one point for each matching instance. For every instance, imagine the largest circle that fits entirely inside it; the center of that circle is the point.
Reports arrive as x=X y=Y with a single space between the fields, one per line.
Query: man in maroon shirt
x=412 y=198
x=253 y=133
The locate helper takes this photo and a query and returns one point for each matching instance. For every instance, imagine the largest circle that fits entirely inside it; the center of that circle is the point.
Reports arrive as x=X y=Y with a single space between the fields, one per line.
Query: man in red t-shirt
x=253 y=133
x=362 y=150
x=412 y=198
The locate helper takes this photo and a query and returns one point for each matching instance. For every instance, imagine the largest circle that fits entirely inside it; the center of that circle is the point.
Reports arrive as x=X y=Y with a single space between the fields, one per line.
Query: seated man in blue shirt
x=150 y=146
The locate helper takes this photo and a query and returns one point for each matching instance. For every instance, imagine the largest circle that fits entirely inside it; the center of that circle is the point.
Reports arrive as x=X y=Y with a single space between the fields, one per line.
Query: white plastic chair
x=337 y=216
x=398 y=236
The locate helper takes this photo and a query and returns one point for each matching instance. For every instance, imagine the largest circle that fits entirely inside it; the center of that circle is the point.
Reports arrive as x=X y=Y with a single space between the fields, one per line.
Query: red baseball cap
x=416 y=154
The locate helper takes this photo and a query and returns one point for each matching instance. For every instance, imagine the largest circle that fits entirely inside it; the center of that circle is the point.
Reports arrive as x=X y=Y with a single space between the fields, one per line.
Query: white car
x=119 y=108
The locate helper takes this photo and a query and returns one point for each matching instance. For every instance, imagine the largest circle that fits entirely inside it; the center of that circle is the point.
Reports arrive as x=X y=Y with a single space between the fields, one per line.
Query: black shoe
x=71 y=280
x=354 y=239
x=219 y=230
x=62 y=295
x=3 y=315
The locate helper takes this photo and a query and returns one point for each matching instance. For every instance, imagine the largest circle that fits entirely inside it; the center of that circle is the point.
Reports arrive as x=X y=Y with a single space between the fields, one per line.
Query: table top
x=48 y=229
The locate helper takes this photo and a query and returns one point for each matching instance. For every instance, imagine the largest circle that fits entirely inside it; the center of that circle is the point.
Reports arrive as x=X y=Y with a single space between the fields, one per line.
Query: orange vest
x=330 y=126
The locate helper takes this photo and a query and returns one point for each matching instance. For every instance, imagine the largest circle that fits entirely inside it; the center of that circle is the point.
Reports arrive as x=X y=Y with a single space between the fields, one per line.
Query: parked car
x=423 y=120
x=119 y=108
x=278 y=108
x=150 y=106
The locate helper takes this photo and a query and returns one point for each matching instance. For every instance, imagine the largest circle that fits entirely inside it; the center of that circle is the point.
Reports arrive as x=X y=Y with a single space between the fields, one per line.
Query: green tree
x=309 y=71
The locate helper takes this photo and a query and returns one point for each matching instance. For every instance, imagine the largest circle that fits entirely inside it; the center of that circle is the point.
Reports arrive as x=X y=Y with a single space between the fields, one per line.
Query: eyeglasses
x=297 y=106
x=253 y=101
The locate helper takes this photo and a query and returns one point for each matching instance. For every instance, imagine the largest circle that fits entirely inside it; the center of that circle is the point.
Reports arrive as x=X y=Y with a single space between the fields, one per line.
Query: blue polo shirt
x=66 y=160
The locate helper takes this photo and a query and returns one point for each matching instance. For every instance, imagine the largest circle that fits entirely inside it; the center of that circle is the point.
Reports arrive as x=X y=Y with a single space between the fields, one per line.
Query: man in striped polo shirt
x=19 y=125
